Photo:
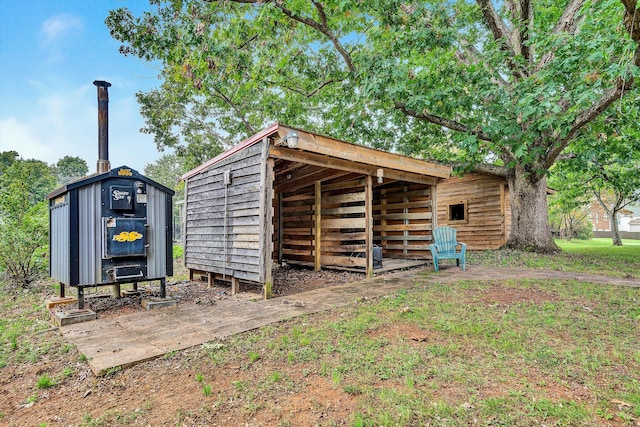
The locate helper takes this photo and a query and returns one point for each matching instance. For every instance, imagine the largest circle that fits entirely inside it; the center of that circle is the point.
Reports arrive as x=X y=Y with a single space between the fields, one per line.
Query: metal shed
x=290 y=195
x=110 y=228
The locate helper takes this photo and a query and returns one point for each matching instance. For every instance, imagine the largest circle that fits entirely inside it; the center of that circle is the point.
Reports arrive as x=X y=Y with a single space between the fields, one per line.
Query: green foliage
x=7 y=158
x=24 y=220
x=603 y=163
x=44 y=381
x=426 y=78
x=167 y=171
x=69 y=168
x=569 y=208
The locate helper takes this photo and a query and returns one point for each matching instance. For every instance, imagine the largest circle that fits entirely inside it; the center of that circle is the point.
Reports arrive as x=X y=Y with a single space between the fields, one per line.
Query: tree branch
x=242 y=117
x=321 y=27
x=492 y=169
x=567 y=23
x=522 y=12
x=501 y=34
x=468 y=54
x=632 y=18
x=497 y=26
x=304 y=93
x=586 y=116
x=449 y=124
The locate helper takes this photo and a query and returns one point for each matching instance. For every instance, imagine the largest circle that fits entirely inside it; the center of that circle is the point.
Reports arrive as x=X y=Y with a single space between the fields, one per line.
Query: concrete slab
x=132 y=338
x=152 y=303
x=70 y=317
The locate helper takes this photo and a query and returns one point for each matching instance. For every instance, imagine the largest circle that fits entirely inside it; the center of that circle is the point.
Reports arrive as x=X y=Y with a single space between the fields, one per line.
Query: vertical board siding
x=157 y=237
x=487 y=221
x=59 y=224
x=205 y=243
x=90 y=234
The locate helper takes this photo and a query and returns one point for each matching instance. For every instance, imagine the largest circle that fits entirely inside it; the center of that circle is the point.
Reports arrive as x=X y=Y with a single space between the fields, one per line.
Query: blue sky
x=51 y=51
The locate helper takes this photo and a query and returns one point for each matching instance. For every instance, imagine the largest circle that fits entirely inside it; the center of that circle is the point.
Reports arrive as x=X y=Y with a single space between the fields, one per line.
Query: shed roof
x=122 y=171
x=325 y=146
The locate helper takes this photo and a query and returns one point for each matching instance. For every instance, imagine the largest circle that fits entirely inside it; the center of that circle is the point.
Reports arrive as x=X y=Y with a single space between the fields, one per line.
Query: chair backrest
x=445 y=239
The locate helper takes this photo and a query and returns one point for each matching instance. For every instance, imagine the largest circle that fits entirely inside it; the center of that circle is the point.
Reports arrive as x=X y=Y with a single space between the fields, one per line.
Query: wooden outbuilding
x=287 y=195
x=477 y=206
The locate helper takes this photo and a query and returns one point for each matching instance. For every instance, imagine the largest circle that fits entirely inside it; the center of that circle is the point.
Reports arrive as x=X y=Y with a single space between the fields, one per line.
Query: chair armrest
x=463 y=246
x=433 y=248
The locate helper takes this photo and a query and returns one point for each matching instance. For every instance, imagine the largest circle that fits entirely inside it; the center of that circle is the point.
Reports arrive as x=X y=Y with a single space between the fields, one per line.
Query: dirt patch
x=318 y=402
x=287 y=280
x=290 y=279
x=501 y=295
x=401 y=332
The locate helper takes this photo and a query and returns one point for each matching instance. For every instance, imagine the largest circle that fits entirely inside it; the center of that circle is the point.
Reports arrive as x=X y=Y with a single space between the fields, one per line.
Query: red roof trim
x=244 y=144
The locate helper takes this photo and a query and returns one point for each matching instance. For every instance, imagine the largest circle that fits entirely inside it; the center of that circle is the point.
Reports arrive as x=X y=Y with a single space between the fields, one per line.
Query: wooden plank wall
x=403 y=220
x=402 y=223
x=296 y=227
x=205 y=243
x=488 y=215
x=343 y=224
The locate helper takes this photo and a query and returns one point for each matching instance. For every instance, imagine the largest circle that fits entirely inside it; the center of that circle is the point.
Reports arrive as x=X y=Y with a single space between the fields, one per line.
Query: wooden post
x=235 y=285
x=368 y=216
x=318 y=227
x=280 y=229
x=503 y=216
x=266 y=219
x=268 y=254
x=405 y=233
x=210 y=279
x=383 y=217
x=434 y=206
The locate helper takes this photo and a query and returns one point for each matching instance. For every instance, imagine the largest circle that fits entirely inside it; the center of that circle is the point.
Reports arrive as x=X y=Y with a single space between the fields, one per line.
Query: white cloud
x=66 y=123
x=60 y=25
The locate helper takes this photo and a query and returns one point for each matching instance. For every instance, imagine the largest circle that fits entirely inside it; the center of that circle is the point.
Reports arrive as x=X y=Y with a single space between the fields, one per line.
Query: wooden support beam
x=280 y=227
x=269 y=194
x=358 y=153
x=340 y=163
x=318 y=227
x=235 y=285
x=266 y=219
x=209 y=279
x=434 y=206
x=503 y=215
x=307 y=180
x=368 y=214
x=383 y=213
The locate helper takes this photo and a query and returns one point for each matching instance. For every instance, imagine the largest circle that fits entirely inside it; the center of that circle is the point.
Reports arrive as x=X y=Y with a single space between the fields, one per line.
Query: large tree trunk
x=615 y=231
x=530 y=228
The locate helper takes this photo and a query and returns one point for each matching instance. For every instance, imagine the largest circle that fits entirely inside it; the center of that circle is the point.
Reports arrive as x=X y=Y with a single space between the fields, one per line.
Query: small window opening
x=456 y=212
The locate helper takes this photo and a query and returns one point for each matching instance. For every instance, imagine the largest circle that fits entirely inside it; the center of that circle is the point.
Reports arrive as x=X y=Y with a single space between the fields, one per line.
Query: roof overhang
x=328 y=152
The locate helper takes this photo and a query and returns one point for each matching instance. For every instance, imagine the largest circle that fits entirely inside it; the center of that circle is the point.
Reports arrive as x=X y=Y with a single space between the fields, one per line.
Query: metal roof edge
x=90 y=179
x=236 y=148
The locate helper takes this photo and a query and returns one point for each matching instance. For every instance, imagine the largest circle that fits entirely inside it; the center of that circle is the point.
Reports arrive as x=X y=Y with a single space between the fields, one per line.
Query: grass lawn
x=501 y=352
x=596 y=256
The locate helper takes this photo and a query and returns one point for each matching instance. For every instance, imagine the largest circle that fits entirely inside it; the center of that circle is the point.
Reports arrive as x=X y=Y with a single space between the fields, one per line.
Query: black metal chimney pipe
x=103 y=126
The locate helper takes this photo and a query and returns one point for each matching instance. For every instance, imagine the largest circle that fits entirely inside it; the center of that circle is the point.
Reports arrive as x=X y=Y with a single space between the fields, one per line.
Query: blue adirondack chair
x=445 y=246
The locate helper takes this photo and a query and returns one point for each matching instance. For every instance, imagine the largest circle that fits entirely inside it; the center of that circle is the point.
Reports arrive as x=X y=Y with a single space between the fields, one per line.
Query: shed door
x=124 y=237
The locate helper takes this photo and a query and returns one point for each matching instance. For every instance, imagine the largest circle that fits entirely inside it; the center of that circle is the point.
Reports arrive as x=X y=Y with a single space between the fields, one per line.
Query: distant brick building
x=601 y=222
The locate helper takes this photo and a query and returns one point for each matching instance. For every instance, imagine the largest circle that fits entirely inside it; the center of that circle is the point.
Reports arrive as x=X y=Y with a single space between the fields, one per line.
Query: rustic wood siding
x=487 y=216
x=403 y=220
x=205 y=242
